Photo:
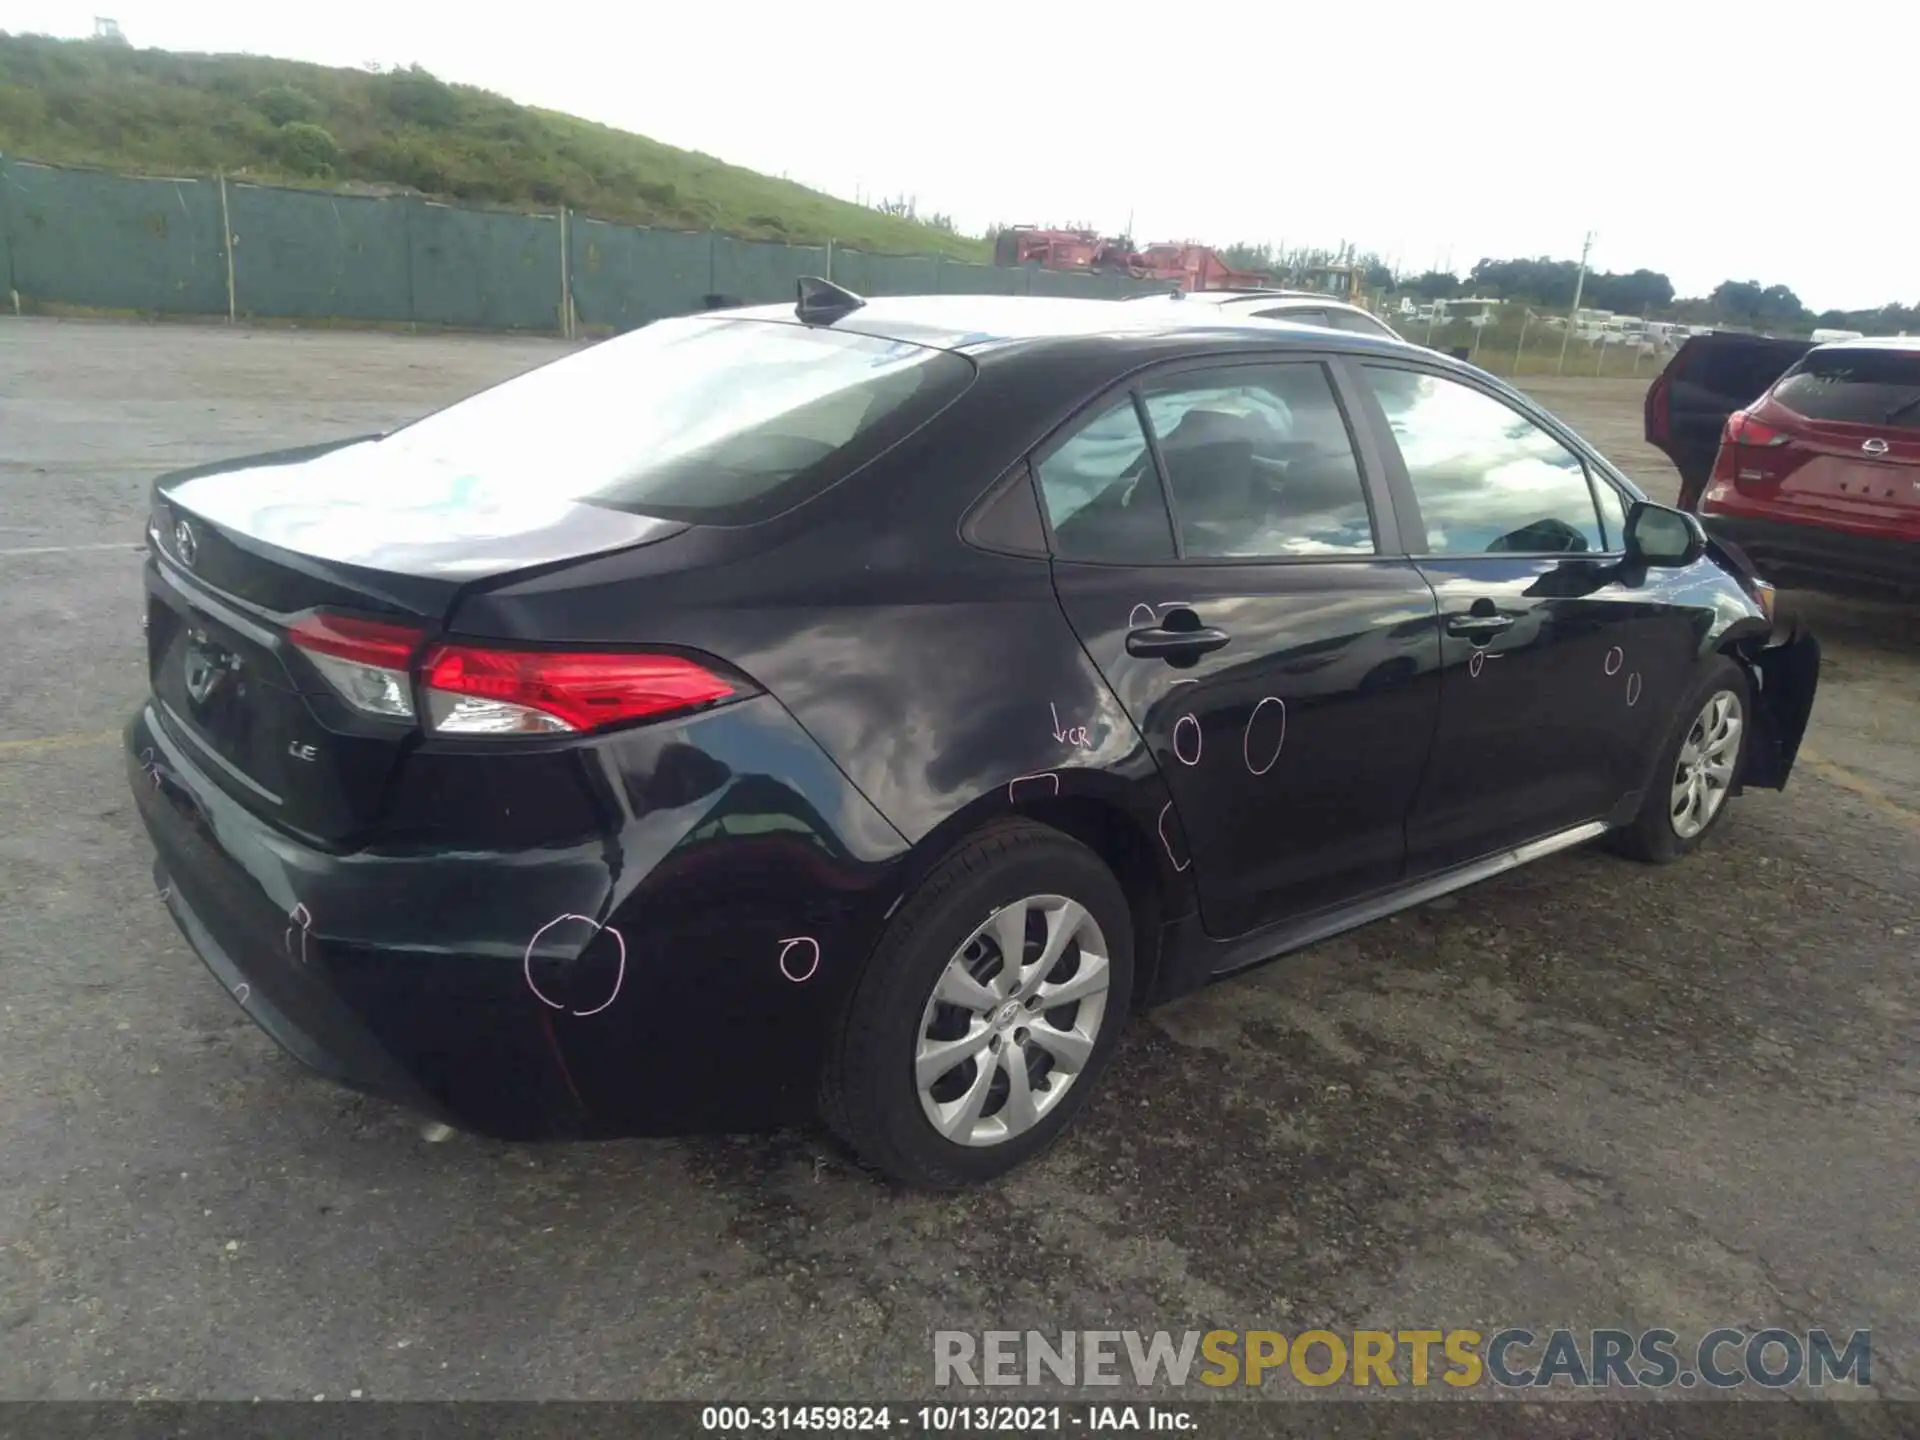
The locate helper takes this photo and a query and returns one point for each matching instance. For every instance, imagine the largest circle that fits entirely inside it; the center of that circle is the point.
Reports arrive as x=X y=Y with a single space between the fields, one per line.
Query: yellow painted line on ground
x=57 y=742
x=1876 y=798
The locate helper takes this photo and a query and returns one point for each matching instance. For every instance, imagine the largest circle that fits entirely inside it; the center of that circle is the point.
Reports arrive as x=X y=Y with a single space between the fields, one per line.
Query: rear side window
x=1855 y=387
x=1296 y=315
x=1260 y=463
x=1359 y=324
x=715 y=421
x=1102 y=492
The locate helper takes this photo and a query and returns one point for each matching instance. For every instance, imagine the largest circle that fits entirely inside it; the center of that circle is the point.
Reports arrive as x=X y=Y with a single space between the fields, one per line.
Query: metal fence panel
x=484 y=270
x=755 y=272
x=6 y=244
x=301 y=254
x=624 y=276
x=1075 y=284
x=884 y=274
x=958 y=277
x=115 y=242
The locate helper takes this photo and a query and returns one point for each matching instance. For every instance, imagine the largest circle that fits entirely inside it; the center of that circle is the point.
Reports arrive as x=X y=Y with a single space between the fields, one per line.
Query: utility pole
x=1579 y=284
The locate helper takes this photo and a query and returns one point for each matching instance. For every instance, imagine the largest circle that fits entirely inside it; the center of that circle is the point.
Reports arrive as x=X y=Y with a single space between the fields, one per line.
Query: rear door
x=1852 y=454
x=1559 y=663
x=1227 y=558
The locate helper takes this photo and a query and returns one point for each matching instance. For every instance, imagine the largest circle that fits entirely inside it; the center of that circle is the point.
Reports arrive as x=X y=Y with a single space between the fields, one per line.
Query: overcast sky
x=1770 y=145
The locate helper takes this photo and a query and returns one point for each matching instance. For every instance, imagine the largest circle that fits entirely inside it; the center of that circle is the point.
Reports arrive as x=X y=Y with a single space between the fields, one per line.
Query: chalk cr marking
x=806 y=960
x=1633 y=688
x=151 y=766
x=620 y=974
x=1134 y=616
x=1191 y=728
x=1616 y=657
x=1075 y=735
x=1247 y=740
x=1023 y=779
x=299 y=921
x=242 y=991
x=1167 y=841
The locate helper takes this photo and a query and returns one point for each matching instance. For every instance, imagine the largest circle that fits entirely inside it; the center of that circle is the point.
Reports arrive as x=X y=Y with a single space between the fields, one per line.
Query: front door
x=1558 y=661
x=1218 y=556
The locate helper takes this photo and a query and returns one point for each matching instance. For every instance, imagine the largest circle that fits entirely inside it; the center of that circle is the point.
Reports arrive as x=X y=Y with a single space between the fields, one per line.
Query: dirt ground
x=1587 y=1093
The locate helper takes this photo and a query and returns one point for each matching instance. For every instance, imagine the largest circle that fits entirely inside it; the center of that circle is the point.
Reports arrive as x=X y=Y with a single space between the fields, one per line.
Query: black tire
x=1651 y=837
x=868 y=1094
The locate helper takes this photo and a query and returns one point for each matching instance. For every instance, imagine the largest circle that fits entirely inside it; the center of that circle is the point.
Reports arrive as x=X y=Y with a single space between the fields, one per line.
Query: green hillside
x=91 y=103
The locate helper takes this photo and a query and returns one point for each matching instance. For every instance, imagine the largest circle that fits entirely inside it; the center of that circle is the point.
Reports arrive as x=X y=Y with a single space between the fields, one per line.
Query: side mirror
x=1657 y=535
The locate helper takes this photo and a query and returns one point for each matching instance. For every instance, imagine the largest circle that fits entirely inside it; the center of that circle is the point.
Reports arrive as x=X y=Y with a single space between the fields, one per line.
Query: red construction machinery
x=1187 y=266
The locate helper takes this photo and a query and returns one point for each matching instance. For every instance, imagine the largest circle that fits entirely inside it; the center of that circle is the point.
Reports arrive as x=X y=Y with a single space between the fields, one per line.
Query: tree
x=1768 y=307
x=1433 y=285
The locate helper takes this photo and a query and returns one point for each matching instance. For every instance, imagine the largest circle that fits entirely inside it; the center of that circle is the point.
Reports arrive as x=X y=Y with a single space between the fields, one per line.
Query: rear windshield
x=1859 y=387
x=715 y=421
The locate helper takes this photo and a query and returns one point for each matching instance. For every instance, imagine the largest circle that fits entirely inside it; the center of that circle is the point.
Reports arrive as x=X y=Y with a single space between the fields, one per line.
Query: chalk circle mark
x=298 y=920
x=619 y=978
x=242 y=991
x=1024 y=779
x=1190 y=727
x=1477 y=663
x=1167 y=841
x=1633 y=688
x=1141 y=615
x=802 y=954
x=1251 y=745
x=1616 y=657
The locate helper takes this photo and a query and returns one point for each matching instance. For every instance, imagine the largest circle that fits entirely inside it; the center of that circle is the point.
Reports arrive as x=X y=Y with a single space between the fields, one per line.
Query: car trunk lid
x=248 y=553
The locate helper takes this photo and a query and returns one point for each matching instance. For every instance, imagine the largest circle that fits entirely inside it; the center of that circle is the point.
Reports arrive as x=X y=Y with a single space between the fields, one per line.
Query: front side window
x=1613 y=513
x=1488 y=479
x=1855 y=387
x=703 y=419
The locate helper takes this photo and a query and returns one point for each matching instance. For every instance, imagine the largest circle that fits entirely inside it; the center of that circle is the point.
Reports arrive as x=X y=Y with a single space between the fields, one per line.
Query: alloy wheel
x=1704 y=772
x=1012 y=1021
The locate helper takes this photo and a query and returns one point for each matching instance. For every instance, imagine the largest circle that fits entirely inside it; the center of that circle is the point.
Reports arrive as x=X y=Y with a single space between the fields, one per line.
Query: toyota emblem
x=185 y=542
x=1875 y=446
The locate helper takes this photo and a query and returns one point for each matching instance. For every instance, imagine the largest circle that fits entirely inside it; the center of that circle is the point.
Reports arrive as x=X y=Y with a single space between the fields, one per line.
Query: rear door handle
x=1154 y=642
x=1478 y=626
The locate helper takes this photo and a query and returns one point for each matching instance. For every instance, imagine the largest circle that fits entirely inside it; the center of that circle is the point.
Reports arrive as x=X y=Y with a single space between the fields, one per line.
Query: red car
x=1818 y=480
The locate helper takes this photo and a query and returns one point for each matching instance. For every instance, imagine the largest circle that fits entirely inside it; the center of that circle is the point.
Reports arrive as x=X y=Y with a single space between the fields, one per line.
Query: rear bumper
x=465 y=983
x=1789 y=553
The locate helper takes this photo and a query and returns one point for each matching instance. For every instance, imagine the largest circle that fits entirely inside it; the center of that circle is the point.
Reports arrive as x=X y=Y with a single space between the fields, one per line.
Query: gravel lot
x=1588 y=1093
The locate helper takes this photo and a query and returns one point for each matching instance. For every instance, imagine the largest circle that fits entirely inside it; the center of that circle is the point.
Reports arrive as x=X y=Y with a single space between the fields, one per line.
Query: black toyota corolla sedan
x=854 y=709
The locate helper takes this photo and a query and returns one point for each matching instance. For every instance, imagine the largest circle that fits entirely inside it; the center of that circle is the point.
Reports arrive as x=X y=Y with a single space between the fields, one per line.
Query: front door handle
x=1154 y=642
x=1478 y=627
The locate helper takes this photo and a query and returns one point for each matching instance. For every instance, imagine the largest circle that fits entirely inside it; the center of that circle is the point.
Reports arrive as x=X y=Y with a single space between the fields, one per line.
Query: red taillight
x=366 y=661
x=366 y=642
x=475 y=691
x=1744 y=429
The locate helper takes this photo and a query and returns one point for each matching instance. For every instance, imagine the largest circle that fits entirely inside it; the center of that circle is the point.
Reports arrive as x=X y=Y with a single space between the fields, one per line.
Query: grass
x=80 y=102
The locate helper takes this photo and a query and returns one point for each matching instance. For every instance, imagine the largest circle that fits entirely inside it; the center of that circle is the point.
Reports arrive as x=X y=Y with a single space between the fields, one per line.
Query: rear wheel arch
x=1129 y=848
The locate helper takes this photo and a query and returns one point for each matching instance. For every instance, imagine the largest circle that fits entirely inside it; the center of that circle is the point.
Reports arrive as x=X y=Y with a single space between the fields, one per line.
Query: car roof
x=978 y=325
x=1873 y=342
